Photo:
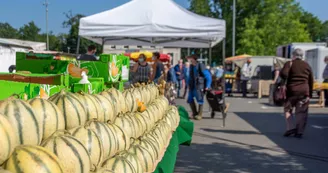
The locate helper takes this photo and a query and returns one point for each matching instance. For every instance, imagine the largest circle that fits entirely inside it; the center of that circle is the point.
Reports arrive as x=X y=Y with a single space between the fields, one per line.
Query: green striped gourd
x=149 y=120
x=125 y=124
x=49 y=114
x=154 y=139
x=130 y=100
x=136 y=125
x=110 y=97
x=119 y=164
x=102 y=170
x=170 y=122
x=70 y=151
x=146 y=159
x=91 y=142
x=145 y=124
x=8 y=139
x=33 y=159
x=119 y=97
x=25 y=122
x=71 y=107
x=133 y=159
x=146 y=94
x=137 y=94
x=92 y=106
x=150 y=145
x=123 y=140
x=108 y=108
x=106 y=135
x=4 y=171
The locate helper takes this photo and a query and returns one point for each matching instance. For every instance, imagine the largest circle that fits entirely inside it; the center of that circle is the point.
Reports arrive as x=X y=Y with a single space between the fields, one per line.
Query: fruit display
x=87 y=133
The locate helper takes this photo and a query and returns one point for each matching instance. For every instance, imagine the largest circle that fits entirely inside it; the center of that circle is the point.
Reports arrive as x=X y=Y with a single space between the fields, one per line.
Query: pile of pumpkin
x=81 y=133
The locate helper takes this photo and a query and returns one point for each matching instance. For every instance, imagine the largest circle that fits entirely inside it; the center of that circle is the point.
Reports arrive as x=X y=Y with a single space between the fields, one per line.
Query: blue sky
x=19 y=12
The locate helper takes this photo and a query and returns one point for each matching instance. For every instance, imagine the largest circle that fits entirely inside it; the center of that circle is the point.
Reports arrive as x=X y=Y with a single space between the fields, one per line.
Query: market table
x=320 y=87
x=182 y=136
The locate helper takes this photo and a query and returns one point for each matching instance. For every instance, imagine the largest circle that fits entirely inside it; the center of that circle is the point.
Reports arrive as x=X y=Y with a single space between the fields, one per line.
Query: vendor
x=91 y=54
x=142 y=70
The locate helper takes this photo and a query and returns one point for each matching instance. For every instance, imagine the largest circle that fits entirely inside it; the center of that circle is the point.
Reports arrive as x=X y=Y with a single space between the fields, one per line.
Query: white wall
x=8 y=56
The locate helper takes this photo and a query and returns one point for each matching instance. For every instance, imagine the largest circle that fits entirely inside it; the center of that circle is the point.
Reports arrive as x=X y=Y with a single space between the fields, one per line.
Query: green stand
x=182 y=136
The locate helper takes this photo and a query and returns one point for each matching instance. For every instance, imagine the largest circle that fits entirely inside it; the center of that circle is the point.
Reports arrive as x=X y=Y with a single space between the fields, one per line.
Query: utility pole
x=234 y=29
x=46 y=4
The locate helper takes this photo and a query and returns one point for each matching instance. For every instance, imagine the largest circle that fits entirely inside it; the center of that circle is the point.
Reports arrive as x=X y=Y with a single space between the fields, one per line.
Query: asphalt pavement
x=252 y=141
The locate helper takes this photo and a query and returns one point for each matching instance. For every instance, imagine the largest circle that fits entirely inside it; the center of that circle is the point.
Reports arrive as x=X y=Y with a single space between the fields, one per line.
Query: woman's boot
x=193 y=109
x=200 y=113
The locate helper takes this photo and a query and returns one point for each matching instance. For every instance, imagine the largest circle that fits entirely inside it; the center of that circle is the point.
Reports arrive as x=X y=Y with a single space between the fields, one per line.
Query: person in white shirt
x=245 y=76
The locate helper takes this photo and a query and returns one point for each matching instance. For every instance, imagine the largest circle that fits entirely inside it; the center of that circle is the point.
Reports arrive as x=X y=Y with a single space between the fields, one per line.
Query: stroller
x=215 y=100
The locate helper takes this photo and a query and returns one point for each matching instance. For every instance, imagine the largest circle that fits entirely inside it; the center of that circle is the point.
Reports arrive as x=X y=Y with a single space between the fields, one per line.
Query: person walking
x=325 y=79
x=179 y=71
x=246 y=76
x=186 y=79
x=142 y=70
x=298 y=78
x=158 y=67
x=200 y=81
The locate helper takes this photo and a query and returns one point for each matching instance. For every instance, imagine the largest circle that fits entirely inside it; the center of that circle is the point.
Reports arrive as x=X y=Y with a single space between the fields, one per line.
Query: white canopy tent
x=152 y=23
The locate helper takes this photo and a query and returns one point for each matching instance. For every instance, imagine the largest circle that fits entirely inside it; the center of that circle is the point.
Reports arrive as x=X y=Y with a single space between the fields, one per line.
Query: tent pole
x=78 y=45
x=223 y=78
x=102 y=45
x=210 y=53
x=224 y=66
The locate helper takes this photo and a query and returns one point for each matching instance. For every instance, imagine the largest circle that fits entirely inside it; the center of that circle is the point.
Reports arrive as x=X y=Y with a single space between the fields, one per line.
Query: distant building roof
x=24 y=44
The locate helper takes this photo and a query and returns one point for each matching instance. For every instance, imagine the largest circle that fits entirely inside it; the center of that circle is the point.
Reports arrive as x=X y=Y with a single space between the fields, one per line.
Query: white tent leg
x=210 y=54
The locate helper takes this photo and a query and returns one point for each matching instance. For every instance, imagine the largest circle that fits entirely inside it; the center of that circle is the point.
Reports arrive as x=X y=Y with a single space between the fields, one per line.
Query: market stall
x=151 y=25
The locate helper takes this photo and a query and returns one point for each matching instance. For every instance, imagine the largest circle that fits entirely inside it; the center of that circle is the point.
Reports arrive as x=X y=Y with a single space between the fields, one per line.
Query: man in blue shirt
x=200 y=80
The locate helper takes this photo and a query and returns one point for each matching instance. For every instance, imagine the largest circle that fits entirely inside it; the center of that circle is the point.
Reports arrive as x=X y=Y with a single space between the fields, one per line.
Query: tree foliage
x=262 y=25
x=7 y=31
x=73 y=22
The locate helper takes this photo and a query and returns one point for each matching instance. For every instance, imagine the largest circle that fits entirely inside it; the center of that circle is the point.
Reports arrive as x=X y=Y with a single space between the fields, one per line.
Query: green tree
x=313 y=25
x=262 y=25
x=7 y=31
x=324 y=36
x=201 y=7
x=73 y=22
x=29 y=32
x=251 y=38
x=54 y=41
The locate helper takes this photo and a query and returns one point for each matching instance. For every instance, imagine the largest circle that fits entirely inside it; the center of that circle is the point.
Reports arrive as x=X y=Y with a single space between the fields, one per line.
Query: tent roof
x=152 y=23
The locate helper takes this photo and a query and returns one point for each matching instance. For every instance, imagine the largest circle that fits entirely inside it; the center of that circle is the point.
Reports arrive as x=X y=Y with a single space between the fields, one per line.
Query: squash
x=91 y=142
x=49 y=114
x=24 y=120
x=71 y=107
x=70 y=151
x=119 y=164
x=107 y=136
x=8 y=139
x=33 y=159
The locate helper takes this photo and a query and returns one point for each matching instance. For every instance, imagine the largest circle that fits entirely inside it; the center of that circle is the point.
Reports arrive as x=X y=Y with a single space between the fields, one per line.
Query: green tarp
x=182 y=136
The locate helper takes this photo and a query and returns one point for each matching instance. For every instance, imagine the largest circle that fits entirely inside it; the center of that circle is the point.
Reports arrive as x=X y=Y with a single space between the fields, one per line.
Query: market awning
x=238 y=57
x=148 y=23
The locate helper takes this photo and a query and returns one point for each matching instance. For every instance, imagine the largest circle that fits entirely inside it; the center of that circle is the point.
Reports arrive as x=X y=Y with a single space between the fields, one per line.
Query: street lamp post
x=46 y=4
x=234 y=29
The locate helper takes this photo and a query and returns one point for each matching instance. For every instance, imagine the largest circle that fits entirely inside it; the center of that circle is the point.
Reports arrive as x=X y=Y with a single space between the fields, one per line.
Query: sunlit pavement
x=252 y=141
